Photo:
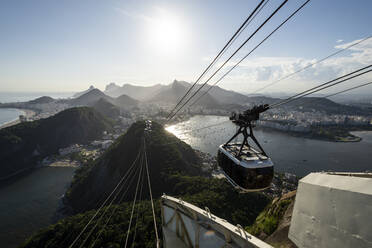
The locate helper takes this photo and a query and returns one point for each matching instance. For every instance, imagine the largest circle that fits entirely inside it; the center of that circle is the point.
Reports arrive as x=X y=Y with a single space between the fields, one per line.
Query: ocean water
x=7 y=115
x=30 y=202
x=289 y=154
x=6 y=97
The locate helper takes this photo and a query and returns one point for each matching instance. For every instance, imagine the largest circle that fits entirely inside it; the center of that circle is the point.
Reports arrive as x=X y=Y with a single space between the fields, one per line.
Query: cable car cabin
x=250 y=171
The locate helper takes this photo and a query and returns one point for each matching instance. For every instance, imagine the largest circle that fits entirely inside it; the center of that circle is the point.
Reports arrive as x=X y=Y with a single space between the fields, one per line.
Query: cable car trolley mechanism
x=245 y=167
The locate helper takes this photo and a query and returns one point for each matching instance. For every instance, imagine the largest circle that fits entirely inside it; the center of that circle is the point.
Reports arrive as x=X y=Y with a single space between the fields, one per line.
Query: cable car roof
x=256 y=160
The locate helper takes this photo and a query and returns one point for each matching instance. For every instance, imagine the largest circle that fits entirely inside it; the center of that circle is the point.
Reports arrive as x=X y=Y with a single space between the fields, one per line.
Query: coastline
x=55 y=164
x=330 y=134
x=26 y=112
x=63 y=163
x=345 y=137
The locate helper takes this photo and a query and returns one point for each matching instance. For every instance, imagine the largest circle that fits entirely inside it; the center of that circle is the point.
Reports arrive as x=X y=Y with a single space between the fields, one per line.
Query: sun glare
x=166 y=33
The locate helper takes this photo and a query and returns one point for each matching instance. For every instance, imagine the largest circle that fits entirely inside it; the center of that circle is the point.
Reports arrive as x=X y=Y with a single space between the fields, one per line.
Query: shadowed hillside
x=25 y=144
x=125 y=102
x=106 y=108
x=90 y=97
x=166 y=154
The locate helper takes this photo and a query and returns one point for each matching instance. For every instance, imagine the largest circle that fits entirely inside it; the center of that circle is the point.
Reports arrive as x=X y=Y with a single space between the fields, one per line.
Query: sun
x=166 y=32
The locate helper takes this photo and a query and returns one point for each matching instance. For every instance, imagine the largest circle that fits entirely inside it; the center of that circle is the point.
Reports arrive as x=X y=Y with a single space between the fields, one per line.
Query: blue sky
x=68 y=45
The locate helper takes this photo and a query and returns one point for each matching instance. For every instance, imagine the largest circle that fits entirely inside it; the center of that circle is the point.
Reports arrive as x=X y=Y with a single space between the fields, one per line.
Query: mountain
x=322 y=104
x=86 y=191
x=106 y=108
x=272 y=225
x=175 y=92
x=140 y=93
x=163 y=93
x=125 y=102
x=258 y=100
x=76 y=95
x=111 y=89
x=174 y=169
x=41 y=100
x=22 y=146
x=227 y=96
x=89 y=98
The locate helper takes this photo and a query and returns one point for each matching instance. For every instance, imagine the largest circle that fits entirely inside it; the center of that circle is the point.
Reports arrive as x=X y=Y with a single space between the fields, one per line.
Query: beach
x=64 y=163
x=26 y=112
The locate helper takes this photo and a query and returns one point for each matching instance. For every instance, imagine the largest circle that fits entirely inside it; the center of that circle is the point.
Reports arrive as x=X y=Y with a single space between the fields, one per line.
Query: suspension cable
x=325 y=87
x=152 y=202
x=114 y=211
x=103 y=204
x=339 y=92
x=134 y=202
x=312 y=64
x=138 y=206
x=227 y=45
x=259 y=44
x=352 y=88
x=322 y=86
x=106 y=208
x=236 y=51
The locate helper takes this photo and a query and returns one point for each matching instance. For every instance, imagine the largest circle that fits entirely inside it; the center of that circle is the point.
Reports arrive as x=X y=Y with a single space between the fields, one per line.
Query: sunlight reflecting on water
x=174 y=130
x=204 y=133
x=290 y=154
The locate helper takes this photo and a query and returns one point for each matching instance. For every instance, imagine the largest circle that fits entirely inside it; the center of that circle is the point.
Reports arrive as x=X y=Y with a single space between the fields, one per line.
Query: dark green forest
x=25 y=144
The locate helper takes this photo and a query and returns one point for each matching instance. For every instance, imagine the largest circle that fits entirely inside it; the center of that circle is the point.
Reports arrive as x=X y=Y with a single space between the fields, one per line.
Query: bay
x=30 y=202
x=8 y=115
x=290 y=154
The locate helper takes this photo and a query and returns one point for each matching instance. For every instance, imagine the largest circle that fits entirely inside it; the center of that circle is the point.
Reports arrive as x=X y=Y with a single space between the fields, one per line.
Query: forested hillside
x=25 y=144
x=219 y=196
x=174 y=170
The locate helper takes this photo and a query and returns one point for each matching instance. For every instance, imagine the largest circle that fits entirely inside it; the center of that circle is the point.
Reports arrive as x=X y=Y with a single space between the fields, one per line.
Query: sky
x=68 y=45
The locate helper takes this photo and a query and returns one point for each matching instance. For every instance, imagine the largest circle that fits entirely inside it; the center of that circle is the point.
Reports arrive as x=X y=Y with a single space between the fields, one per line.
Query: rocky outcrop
x=272 y=225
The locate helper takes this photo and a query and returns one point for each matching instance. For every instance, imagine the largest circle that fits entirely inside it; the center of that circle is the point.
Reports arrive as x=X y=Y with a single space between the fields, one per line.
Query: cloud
x=265 y=70
x=339 y=41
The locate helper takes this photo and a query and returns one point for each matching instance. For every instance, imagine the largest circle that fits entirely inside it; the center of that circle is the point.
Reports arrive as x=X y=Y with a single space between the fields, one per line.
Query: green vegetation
x=167 y=155
x=107 y=109
x=330 y=133
x=272 y=224
x=22 y=146
x=268 y=220
x=174 y=170
x=321 y=104
x=64 y=232
x=216 y=194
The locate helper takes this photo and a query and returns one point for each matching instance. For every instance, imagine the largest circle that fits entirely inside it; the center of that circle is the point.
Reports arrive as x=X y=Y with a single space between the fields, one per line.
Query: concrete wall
x=333 y=211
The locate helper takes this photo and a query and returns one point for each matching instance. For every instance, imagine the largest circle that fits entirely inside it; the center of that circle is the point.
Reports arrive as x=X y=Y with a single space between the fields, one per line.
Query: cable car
x=245 y=167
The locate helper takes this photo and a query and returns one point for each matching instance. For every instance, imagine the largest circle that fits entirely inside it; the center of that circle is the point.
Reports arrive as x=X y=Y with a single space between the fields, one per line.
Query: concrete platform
x=333 y=210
